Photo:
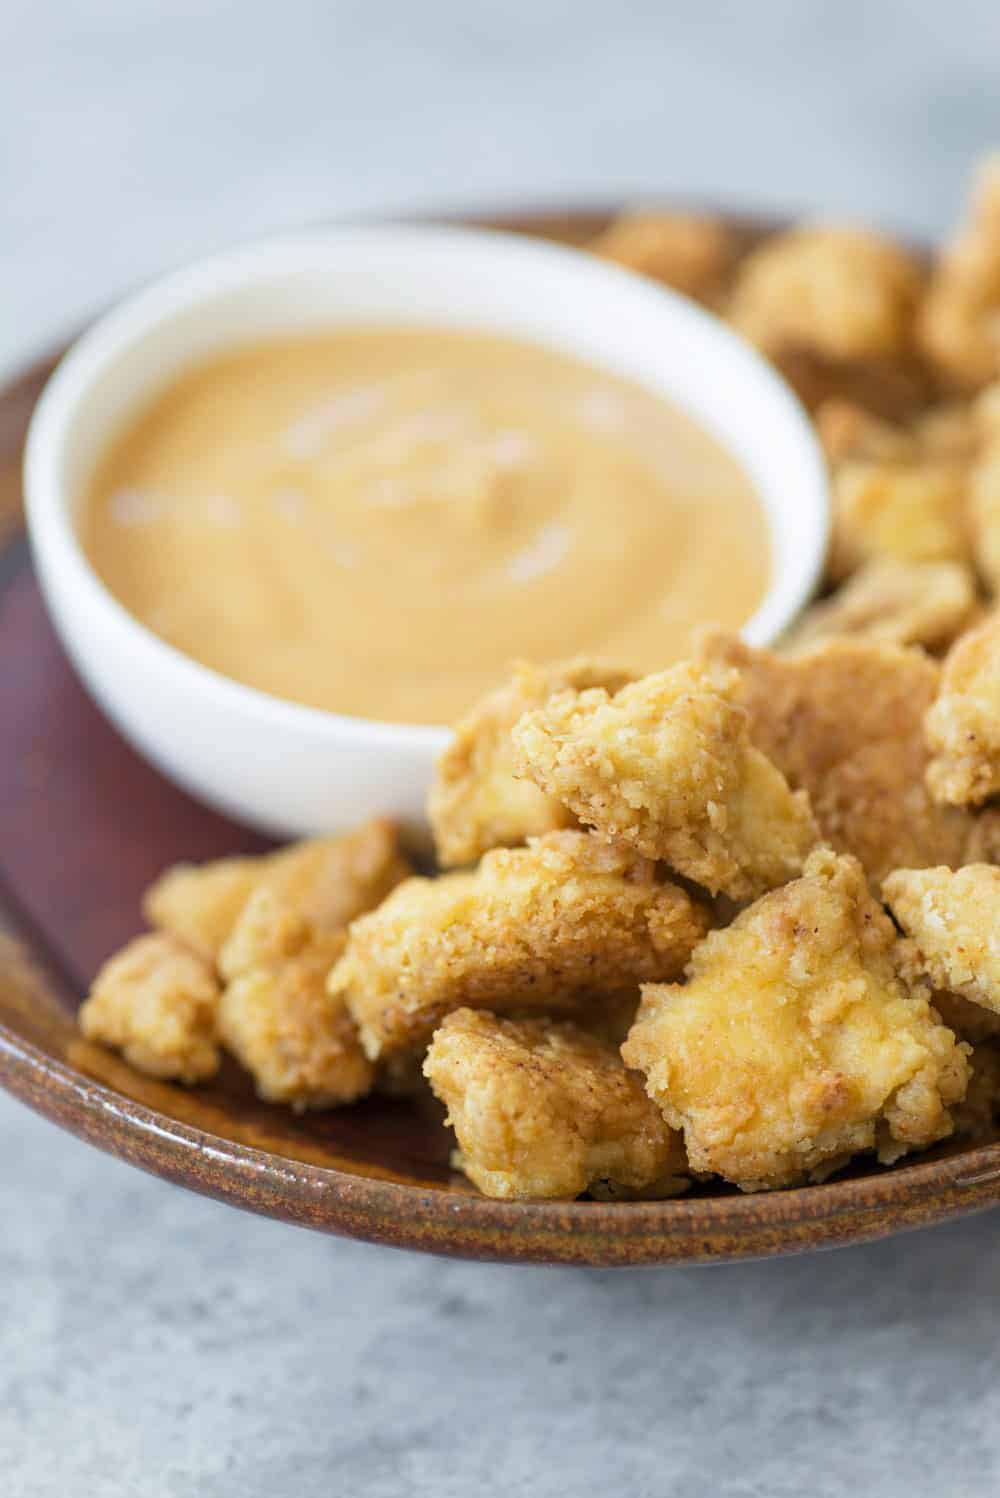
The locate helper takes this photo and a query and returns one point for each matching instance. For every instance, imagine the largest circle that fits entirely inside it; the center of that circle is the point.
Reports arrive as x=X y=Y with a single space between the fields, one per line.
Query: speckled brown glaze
x=85 y=823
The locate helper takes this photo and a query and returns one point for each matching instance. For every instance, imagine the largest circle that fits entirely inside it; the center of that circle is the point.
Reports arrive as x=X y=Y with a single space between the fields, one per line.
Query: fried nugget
x=963 y=725
x=200 y=903
x=847 y=431
x=844 y=721
x=947 y=431
x=544 y=927
x=959 y=321
x=542 y=1109
x=475 y=801
x=794 y=1045
x=690 y=252
x=845 y=293
x=155 y=1001
x=329 y=881
x=667 y=766
x=299 y=1044
x=913 y=512
x=953 y=920
x=902 y=603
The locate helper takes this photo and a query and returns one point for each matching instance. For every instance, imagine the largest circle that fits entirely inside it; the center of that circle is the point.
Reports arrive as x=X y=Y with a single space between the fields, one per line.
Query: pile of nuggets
x=736 y=920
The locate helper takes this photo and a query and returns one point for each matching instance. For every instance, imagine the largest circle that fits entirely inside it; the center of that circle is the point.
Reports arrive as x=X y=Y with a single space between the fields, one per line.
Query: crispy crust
x=298 y=1043
x=900 y=603
x=690 y=252
x=844 y=721
x=328 y=880
x=963 y=725
x=913 y=512
x=155 y=1001
x=546 y=1110
x=953 y=920
x=957 y=326
x=544 y=927
x=794 y=1045
x=275 y=1016
x=841 y=292
x=475 y=802
x=667 y=766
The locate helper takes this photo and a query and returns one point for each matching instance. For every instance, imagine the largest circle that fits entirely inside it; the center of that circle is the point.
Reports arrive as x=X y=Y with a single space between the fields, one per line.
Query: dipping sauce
x=379 y=521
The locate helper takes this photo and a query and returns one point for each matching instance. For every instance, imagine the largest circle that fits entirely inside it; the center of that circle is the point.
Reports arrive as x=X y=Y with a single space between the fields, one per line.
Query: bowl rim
x=53 y=534
x=435 y=1219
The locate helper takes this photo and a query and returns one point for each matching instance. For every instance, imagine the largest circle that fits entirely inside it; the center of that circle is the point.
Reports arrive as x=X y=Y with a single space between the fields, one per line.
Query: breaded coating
x=959 y=321
x=953 y=920
x=475 y=802
x=902 y=603
x=155 y=1001
x=546 y=927
x=794 y=1045
x=267 y=933
x=848 y=431
x=844 y=721
x=913 y=512
x=667 y=766
x=963 y=725
x=949 y=431
x=545 y=1110
x=690 y=252
x=299 y=1044
x=845 y=293
x=200 y=903
x=329 y=880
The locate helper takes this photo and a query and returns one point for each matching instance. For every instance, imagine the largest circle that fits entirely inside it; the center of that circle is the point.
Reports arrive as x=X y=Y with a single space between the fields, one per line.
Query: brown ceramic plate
x=86 y=824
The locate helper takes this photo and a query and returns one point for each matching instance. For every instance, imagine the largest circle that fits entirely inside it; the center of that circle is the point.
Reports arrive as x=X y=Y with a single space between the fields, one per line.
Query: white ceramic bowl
x=290 y=769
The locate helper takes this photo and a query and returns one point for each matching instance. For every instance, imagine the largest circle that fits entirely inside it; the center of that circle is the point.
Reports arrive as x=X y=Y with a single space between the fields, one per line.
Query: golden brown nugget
x=546 y=927
x=902 y=603
x=667 y=766
x=276 y=1017
x=200 y=903
x=329 y=880
x=542 y=1109
x=953 y=919
x=848 y=431
x=155 y=1001
x=948 y=431
x=298 y=1044
x=959 y=321
x=843 y=720
x=794 y=1045
x=267 y=933
x=913 y=512
x=690 y=252
x=963 y=725
x=476 y=803
x=845 y=293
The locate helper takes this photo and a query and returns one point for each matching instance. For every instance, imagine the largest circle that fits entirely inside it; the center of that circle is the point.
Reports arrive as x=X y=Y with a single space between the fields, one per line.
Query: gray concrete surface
x=156 y=1346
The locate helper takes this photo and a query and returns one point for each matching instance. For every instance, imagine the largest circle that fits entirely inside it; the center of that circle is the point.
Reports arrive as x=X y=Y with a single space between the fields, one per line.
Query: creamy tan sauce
x=378 y=522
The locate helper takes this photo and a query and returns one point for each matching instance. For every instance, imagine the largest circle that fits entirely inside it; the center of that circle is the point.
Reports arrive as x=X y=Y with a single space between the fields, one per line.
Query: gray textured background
x=154 y=1344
